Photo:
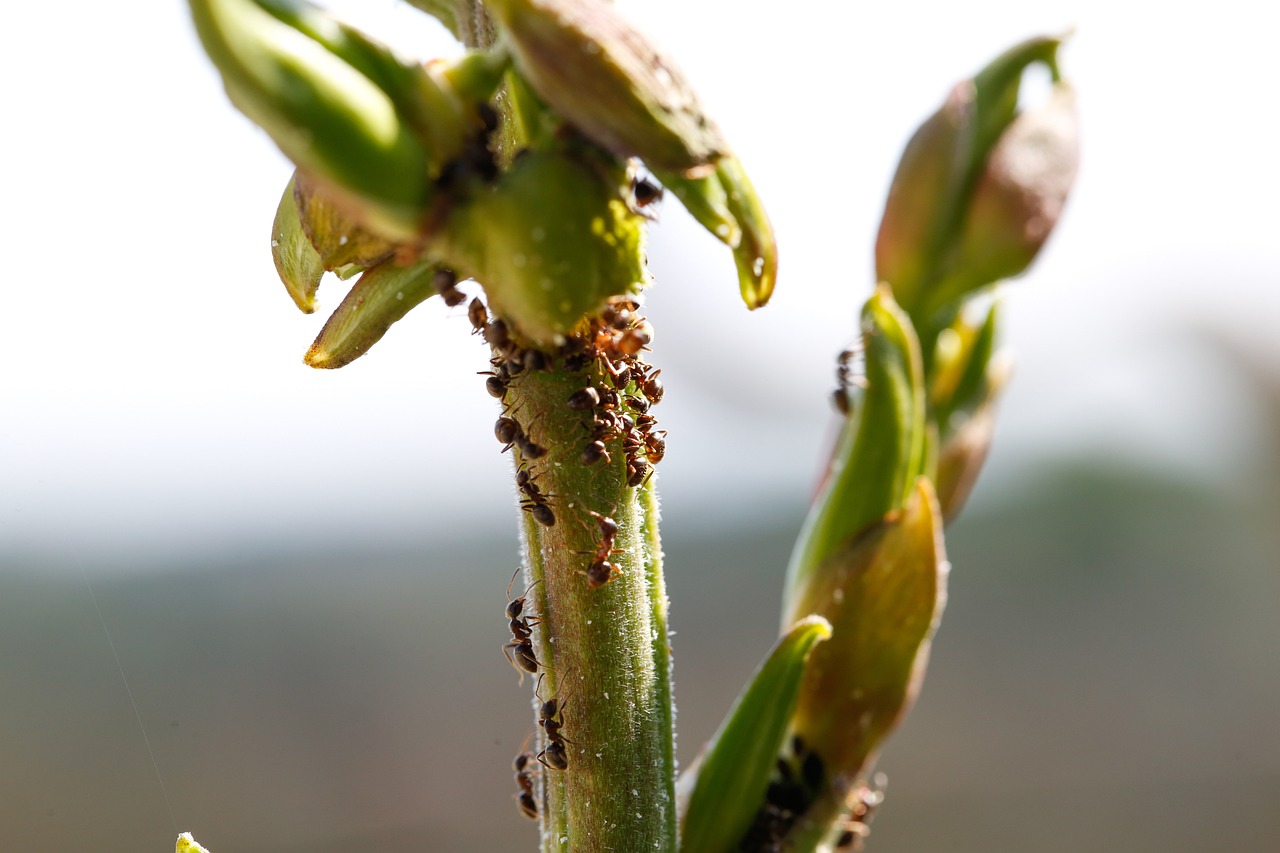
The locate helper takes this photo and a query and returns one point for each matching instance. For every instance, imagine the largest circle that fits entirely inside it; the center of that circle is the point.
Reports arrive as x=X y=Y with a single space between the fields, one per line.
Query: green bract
x=382 y=295
x=883 y=593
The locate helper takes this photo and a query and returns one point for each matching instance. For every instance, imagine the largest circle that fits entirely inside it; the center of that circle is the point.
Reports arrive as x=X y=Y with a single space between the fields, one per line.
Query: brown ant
x=849 y=373
x=594 y=452
x=554 y=755
x=478 y=315
x=584 y=399
x=524 y=800
x=644 y=193
x=446 y=284
x=601 y=571
x=519 y=652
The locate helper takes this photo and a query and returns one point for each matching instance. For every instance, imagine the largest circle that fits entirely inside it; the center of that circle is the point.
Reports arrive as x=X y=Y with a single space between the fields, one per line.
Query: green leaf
x=343 y=245
x=734 y=775
x=335 y=122
x=726 y=204
x=381 y=296
x=881 y=449
x=297 y=261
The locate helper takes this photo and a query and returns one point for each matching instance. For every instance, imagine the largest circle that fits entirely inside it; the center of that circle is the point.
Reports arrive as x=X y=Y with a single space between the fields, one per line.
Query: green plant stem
x=604 y=652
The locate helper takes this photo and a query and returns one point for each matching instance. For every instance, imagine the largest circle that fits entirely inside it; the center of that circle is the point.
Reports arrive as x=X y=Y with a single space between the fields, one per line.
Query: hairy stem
x=603 y=649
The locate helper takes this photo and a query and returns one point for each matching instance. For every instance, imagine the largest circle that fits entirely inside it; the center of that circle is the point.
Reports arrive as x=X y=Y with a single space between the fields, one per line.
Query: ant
x=524 y=800
x=850 y=371
x=601 y=571
x=446 y=284
x=519 y=652
x=554 y=756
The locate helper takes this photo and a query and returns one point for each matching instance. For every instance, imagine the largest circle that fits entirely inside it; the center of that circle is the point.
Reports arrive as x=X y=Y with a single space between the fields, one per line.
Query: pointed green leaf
x=881 y=448
x=297 y=261
x=383 y=295
x=734 y=775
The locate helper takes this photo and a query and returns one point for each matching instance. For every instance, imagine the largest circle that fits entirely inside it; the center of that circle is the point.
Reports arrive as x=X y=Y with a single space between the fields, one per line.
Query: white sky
x=153 y=394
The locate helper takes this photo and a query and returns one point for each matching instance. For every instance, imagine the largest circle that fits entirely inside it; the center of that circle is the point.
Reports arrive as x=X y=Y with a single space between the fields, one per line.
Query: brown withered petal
x=608 y=80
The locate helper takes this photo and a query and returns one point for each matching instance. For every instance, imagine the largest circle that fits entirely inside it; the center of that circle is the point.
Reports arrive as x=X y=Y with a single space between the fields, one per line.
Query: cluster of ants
x=617 y=404
x=797 y=782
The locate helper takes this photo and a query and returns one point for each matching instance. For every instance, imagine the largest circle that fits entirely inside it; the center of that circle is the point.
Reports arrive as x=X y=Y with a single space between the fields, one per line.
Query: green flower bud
x=976 y=193
x=726 y=204
x=381 y=296
x=734 y=773
x=187 y=844
x=551 y=240
x=610 y=82
x=322 y=107
x=342 y=245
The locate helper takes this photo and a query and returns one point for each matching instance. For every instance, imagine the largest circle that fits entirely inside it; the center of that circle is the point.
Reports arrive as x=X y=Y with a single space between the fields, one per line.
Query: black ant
x=554 y=755
x=849 y=373
x=519 y=652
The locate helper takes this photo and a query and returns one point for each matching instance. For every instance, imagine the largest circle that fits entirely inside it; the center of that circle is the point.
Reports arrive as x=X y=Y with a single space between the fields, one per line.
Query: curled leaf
x=298 y=263
x=322 y=109
x=725 y=203
x=735 y=771
x=881 y=449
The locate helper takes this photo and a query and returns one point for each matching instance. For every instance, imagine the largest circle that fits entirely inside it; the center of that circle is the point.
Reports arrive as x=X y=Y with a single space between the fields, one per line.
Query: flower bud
x=551 y=240
x=978 y=187
x=605 y=78
x=297 y=261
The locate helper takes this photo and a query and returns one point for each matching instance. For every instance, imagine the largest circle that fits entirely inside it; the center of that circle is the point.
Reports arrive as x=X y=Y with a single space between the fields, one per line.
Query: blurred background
x=302 y=572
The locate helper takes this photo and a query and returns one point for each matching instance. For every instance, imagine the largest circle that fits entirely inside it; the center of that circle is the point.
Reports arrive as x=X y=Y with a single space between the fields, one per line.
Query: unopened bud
x=610 y=82
x=979 y=187
x=187 y=844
